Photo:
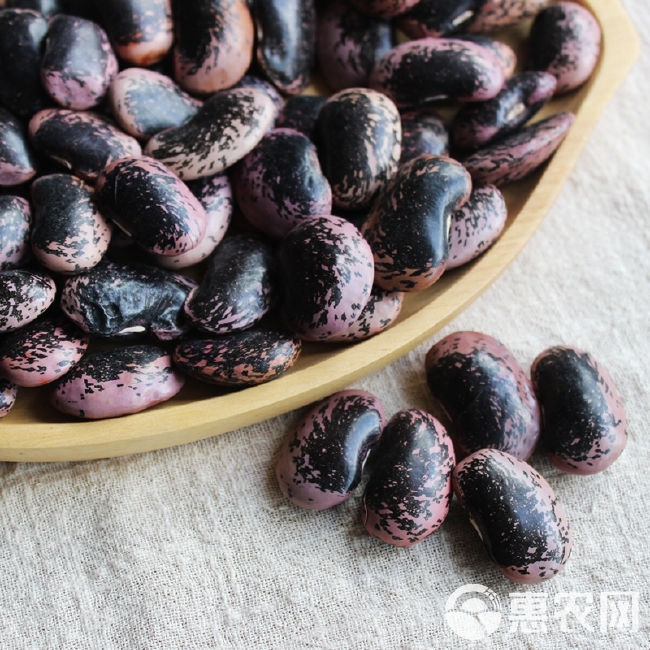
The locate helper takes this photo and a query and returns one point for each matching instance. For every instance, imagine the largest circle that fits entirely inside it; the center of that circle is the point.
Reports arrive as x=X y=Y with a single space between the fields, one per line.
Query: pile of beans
x=497 y=418
x=164 y=185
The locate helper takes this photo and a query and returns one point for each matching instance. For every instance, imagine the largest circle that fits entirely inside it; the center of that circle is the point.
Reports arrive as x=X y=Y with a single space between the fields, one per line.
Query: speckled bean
x=69 y=235
x=565 y=41
x=115 y=382
x=238 y=359
x=326 y=271
x=144 y=102
x=116 y=299
x=24 y=296
x=214 y=44
x=519 y=519
x=495 y=14
x=22 y=36
x=152 y=205
x=408 y=493
x=41 y=351
x=485 y=393
x=225 y=129
x=408 y=227
x=359 y=135
x=78 y=64
x=321 y=461
x=523 y=95
x=85 y=142
x=286 y=35
x=280 y=183
x=519 y=154
x=420 y=71
x=237 y=288
x=584 y=428
x=140 y=30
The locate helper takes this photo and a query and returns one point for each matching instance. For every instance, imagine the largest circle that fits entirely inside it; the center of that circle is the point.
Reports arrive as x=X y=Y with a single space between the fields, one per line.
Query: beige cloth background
x=194 y=547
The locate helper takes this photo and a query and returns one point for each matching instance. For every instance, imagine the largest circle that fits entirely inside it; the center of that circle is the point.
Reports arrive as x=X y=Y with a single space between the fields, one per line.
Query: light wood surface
x=34 y=431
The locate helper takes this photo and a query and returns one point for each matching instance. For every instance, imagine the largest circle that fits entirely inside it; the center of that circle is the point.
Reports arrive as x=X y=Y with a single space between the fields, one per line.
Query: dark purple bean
x=519 y=519
x=15 y=226
x=321 y=461
x=417 y=72
x=239 y=359
x=78 y=64
x=140 y=30
x=523 y=95
x=24 y=296
x=286 y=32
x=69 y=235
x=152 y=205
x=408 y=493
x=485 y=393
x=17 y=160
x=565 y=41
x=119 y=299
x=115 y=382
x=423 y=131
x=214 y=44
x=519 y=154
x=348 y=45
x=326 y=273
x=84 y=142
x=584 y=428
x=280 y=183
x=144 y=103
x=41 y=351
x=226 y=128
x=408 y=227
x=359 y=135
x=237 y=288
x=22 y=36
x=477 y=225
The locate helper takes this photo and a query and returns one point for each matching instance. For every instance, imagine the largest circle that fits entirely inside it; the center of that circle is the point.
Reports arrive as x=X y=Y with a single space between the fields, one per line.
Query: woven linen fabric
x=195 y=547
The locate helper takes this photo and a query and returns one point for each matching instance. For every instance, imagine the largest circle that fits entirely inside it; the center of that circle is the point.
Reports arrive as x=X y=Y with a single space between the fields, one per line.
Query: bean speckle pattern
x=41 y=351
x=15 y=227
x=239 y=359
x=521 y=522
x=485 y=393
x=24 y=296
x=321 y=460
x=115 y=382
x=584 y=428
x=408 y=493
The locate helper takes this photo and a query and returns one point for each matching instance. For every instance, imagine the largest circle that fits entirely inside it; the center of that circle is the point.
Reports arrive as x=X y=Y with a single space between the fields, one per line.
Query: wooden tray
x=34 y=431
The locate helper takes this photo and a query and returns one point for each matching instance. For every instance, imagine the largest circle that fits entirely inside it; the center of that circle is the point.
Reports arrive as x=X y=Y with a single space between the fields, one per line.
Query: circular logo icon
x=473 y=612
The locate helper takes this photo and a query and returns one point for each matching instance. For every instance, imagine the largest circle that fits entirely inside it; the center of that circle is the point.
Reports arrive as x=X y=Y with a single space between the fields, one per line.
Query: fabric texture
x=195 y=547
